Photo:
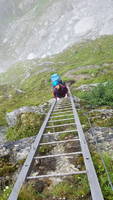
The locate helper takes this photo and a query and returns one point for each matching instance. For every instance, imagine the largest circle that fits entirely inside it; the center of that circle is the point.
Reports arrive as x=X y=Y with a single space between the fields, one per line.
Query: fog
x=35 y=29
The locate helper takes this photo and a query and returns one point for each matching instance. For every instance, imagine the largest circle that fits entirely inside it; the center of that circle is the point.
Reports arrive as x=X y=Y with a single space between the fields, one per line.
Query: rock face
x=2 y=134
x=11 y=117
x=88 y=87
x=31 y=29
x=11 y=156
x=104 y=137
x=16 y=150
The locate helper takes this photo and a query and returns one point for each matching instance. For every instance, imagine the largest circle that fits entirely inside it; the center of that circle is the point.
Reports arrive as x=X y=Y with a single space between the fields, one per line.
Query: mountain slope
x=85 y=63
x=43 y=28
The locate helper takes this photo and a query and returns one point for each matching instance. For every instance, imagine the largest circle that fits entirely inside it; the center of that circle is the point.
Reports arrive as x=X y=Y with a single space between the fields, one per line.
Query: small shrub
x=29 y=193
x=67 y=188
x=100 y=95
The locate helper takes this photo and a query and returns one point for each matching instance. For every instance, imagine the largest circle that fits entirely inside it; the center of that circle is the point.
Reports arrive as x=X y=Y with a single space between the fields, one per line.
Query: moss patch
x=27 y=125
x=5 y=194
x=67 y=189
x=101 y=120
x=45 y=149
x=28 y=193
x=7 y=167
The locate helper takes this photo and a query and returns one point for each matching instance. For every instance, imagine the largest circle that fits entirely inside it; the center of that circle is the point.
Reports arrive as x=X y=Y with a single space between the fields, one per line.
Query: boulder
x=17 y=150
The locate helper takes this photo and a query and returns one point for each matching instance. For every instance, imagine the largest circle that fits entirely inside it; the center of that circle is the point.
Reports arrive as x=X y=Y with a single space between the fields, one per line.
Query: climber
x=59 y=87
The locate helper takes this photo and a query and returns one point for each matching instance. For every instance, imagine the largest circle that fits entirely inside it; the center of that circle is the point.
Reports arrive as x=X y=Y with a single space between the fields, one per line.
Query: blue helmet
x=55 y=83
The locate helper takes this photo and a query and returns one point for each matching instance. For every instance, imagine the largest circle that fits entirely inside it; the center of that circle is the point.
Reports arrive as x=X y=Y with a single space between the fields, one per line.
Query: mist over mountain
x=36 y=29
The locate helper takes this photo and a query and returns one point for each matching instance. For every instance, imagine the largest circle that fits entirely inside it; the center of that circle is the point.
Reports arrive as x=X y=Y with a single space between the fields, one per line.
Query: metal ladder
x=60 y=110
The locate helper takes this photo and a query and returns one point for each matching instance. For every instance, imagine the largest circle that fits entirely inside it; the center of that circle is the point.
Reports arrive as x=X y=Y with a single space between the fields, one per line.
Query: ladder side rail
x=91 y=173
x=29 y=161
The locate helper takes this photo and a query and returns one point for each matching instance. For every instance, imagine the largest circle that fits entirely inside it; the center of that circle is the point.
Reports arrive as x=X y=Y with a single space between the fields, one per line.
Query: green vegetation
x=3 y=97
x=72 y=60
x=100 y=95
x=7 y=167
x=86 y=63
x=63 y=189
x=95 y=52
x=27 y=125
x=2 y=118
x=107 y=191
x=33 y=95
x=6 y=193
x=99 y=118
x=83 y=119
x=66 y=188
x=67 y=135
x=28 y=193
x=45 y=149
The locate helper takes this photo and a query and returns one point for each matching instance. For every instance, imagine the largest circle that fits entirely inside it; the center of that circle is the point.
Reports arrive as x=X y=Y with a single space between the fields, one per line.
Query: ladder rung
x=57 y=175
x=65 y=104
x=62 y=112
x=71 y=131
x=67 y=109
x=63 y=107
x=59 y=142
x=60 y=125
x=60 y=120
x=61 y=116
x=58 y=155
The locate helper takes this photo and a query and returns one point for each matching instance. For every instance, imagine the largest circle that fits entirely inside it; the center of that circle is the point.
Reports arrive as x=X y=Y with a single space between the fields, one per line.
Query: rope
x=99 y=151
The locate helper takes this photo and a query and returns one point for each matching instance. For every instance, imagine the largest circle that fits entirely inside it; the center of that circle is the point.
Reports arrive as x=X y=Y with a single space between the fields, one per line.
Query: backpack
x=55 y=78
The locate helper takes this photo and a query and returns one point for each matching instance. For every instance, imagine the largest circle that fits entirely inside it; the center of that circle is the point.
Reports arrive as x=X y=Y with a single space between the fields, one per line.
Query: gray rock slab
x=17 y=150
x=104 y=137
